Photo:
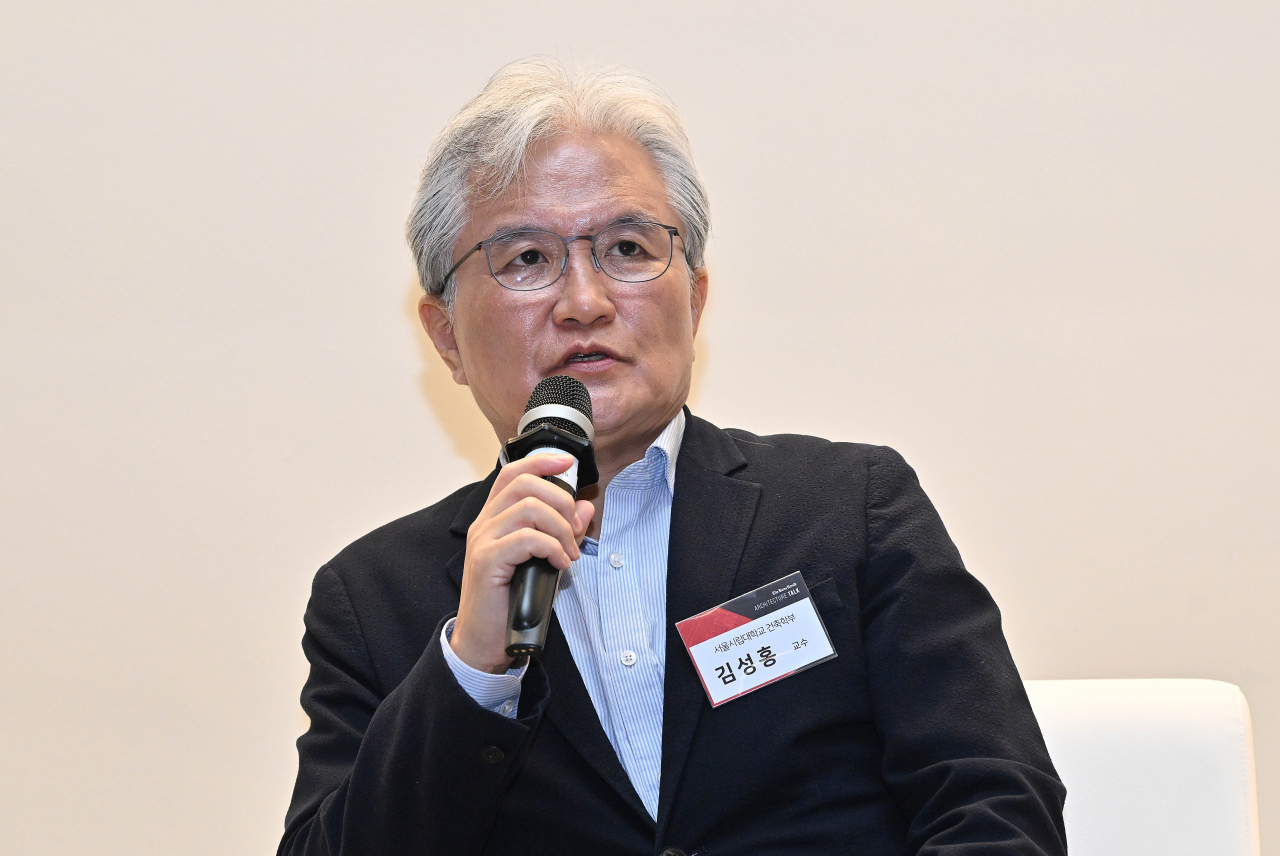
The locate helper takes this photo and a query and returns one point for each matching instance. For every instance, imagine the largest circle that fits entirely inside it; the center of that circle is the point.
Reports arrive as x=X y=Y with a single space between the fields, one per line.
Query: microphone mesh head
x=566 y=391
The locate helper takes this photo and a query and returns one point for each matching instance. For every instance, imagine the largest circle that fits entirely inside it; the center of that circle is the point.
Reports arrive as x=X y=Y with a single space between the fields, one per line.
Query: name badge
x=756 y=639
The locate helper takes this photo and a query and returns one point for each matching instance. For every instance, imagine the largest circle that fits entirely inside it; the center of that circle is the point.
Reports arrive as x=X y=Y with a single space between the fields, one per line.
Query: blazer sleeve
x=963 y=754
x=420 y=769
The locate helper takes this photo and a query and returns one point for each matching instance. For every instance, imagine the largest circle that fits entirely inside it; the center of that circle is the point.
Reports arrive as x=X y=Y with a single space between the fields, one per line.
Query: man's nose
x=584 y=297
x=584 y=247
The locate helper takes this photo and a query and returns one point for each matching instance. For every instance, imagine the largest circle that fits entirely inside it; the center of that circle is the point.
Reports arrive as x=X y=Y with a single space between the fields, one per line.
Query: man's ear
x=698 y=295
x=438 y=323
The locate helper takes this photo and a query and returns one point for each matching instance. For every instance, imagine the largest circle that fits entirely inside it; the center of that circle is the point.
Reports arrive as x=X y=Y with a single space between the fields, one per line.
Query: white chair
x=1152 y=767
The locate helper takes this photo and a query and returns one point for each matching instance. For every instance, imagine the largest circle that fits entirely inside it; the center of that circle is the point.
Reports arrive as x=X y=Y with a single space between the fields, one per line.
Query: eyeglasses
x=529 y=260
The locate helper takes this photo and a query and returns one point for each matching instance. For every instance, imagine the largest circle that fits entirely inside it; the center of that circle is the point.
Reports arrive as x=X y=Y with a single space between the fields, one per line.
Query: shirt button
x=628 y=658
x=508 y=707
x=615 y=559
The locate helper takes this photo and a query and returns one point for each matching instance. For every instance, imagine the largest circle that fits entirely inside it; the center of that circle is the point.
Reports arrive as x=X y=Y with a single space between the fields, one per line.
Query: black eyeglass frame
x=672 y=234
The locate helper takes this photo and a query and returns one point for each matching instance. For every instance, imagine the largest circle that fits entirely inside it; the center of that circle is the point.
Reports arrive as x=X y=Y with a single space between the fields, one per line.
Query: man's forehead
x=577 y=184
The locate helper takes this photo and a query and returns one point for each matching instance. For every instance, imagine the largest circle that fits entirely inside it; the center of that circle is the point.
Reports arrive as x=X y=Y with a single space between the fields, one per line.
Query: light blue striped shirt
x=612 y=606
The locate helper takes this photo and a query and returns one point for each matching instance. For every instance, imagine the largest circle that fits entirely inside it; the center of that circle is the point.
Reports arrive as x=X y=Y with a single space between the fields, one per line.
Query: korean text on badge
x=756 y=639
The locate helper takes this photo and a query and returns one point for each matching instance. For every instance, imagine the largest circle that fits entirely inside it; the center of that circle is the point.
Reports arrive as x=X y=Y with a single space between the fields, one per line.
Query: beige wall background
x=1033 y=246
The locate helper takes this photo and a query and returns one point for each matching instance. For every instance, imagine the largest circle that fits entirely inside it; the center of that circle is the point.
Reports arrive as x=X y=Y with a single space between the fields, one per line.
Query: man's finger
x=532 y=513
x=539 y=465
x=583 y=512
x=526 y=486
x=519 y=546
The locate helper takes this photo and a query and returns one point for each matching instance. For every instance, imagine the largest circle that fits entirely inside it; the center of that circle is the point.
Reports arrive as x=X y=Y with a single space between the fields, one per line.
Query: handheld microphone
x=557 y=419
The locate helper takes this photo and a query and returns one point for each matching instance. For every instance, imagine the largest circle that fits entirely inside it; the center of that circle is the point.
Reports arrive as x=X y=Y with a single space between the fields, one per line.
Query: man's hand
x=525 y=516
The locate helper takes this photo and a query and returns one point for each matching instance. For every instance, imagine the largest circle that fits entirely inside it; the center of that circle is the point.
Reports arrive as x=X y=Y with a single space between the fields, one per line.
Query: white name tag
x=756 y=639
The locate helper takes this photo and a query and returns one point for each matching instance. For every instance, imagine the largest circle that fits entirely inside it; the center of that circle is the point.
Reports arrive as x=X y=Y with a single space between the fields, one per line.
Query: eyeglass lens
x=634 y=252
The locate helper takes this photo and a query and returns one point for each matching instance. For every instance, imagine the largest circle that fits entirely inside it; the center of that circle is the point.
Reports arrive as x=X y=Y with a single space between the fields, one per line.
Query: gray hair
x=482 y=150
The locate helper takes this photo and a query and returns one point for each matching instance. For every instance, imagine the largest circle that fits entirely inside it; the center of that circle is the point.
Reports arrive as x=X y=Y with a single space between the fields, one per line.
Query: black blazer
x=917 y=738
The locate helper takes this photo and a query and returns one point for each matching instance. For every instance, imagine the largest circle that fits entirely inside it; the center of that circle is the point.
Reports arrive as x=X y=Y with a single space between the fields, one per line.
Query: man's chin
x=620 y=426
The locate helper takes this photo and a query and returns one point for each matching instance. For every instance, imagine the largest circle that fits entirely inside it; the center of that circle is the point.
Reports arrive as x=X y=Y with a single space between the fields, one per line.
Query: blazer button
x=493 y=755
x=672 y=851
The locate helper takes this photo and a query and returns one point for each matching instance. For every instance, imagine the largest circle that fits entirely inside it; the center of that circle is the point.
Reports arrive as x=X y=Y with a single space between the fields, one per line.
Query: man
x=559 y=229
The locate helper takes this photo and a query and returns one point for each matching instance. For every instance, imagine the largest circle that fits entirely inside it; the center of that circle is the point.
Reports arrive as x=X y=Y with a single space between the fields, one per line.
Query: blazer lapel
x=711 y=516
x=570 y=708
x=467 y=514
x=573 y=714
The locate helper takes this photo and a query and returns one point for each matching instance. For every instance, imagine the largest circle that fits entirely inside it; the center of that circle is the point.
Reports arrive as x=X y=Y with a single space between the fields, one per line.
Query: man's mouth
x=592 y=357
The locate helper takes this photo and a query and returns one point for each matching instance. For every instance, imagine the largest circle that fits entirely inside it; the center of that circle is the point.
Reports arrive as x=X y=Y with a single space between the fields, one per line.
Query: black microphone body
x=557 y=419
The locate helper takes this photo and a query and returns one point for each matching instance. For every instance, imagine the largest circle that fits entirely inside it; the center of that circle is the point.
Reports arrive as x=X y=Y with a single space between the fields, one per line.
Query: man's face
x=638 y=337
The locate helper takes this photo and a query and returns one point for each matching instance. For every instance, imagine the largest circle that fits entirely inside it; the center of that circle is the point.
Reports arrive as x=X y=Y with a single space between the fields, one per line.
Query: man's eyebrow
x=504 y=231
x=628 y=219
x=631 y=219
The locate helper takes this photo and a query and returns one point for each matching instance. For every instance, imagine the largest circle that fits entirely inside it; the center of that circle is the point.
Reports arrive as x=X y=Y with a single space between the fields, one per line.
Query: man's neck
x=611 y=459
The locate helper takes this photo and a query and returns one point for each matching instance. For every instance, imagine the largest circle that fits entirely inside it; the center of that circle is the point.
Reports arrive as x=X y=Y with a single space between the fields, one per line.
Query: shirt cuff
x=496 y=693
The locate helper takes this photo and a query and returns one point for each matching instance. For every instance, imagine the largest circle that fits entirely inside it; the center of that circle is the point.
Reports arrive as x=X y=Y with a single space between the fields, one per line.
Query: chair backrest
x=1159 y=767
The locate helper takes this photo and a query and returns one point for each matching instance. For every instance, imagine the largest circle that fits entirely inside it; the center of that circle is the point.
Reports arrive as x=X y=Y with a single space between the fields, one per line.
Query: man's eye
x=530 y=257
x=628 y=249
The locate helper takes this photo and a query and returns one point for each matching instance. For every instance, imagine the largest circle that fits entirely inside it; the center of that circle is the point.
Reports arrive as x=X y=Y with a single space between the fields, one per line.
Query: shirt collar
x=668 y=443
